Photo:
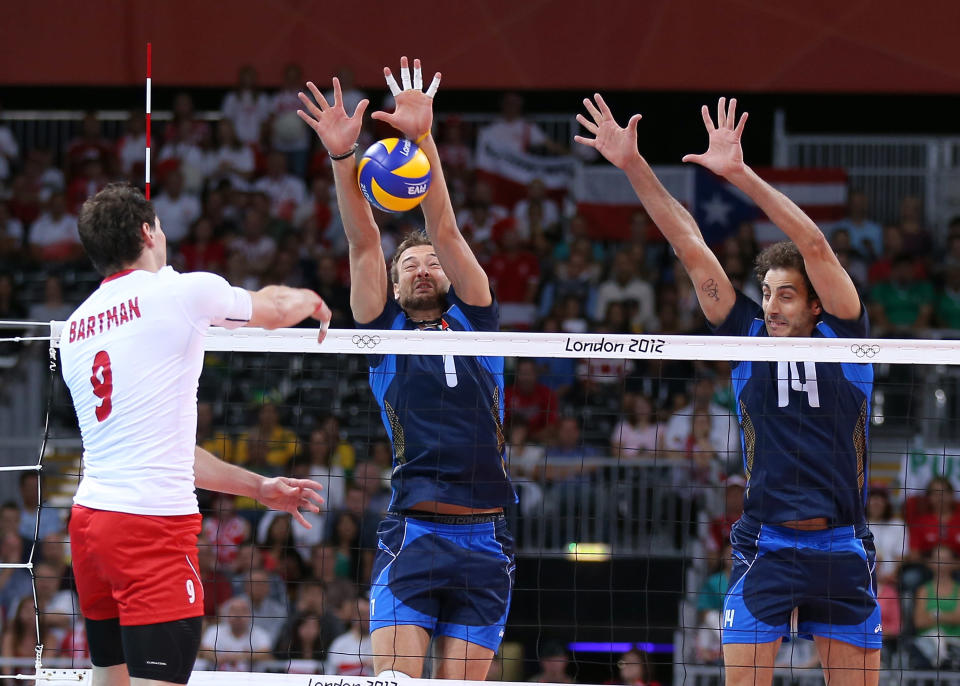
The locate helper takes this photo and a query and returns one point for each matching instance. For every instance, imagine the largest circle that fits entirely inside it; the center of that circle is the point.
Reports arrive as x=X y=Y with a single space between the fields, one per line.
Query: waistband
x=434 y=518
x=832 y=531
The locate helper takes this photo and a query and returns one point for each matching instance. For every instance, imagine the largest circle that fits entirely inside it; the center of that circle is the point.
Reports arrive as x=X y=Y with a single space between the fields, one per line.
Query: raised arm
x=413 y=117
x=619 y=146
x=724 y=157
x=338 y=133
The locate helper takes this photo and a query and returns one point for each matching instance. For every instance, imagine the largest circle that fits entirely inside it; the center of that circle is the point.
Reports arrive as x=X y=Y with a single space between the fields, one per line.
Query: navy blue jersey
x=803 y=426
x=444 y=415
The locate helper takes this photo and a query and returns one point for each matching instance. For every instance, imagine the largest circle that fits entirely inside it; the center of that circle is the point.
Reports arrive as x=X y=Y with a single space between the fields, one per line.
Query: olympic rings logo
x=365 y=341
x=868 y=351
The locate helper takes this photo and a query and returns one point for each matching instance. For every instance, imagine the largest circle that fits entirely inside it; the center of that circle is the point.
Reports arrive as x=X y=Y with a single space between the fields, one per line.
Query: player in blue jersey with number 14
x=444 y=566
x=802 y=549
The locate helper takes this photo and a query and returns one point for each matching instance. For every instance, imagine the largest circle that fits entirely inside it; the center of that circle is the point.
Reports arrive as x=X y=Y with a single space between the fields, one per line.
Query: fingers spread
x=318 y=96
x=594 y=112
x=360 y=108
x=589 y=142
x=587 y=124
x=311 y=122
x=603 y=106
x=708 y=122
x=741 y=124
x=434 y=85
x=391 y=82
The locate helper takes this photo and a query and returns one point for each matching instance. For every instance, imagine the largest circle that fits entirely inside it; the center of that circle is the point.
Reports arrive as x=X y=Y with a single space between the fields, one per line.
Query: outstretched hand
x=336 y=130
x=291 y=495
x=724 y=154
x=413 y=115
x=618 y=145
x=323 y=315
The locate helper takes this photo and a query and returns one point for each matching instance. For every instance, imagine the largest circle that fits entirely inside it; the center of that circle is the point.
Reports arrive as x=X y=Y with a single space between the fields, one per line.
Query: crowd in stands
x=251 y=197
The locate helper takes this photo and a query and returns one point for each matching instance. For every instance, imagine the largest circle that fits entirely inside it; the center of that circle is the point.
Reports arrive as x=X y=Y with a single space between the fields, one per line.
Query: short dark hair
x=783 y=255
x=109 y=225
x=411 y=240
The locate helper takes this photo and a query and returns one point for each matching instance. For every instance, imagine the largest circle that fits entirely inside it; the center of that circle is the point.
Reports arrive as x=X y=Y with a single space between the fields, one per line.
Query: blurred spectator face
x=511 y=106
x=246 y=78
x=482 y=194
x=632 y=668
x=254 y=224
x=183 y=106
x=367 y=476
x=52 y=291
x=323 y=561
x=320 y=447
x=6 y=287
x=526 y=380
x=892 y=240
x=238 y=613
x=943 y=561
x=48 y=582
x=258 y=586
x=642 y=408
x=226 y=133
x=840 y=240
x=248 y=558
x=268 y=417
x=204 y=417
x=58 y=205
x=877 y=506
x=536 y=190
x=293 y=76
x=11 y=548
x=28 y=491
x=276 y=164
x=902 y=270
x=940 y=496
x=568 y=433
x=321 y=190
x=382 y=455
x=90 y=126
x=622 y=268
x=280 y=530
x=10 y=520
x=639 y=226
x=173 y=184
x=308 y=630
x=327 y=272
x=579 y=227
x=703 y=391
x=733 y=499
x=355 y=501
x=911 y=209
x=203 y=230
x=858 y=205
x=54 y=550
x=207 y=559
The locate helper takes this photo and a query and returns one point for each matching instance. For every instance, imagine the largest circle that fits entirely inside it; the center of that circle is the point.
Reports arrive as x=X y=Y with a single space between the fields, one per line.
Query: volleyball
x=394 y=175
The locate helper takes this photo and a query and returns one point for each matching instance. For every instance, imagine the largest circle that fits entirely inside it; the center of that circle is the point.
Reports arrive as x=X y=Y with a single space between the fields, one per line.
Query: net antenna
x=146 y=168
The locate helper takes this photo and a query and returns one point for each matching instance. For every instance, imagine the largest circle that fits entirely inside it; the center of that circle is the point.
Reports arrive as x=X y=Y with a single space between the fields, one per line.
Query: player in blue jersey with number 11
x=802 y=549
x=444 y=566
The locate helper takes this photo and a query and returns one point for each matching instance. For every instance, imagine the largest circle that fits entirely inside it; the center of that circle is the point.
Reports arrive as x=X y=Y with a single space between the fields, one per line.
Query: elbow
x=816 y=248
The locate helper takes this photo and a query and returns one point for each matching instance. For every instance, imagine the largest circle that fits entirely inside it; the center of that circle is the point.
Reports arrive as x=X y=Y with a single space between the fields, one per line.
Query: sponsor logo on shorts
x=878 y=629
x=865 y=350
x=365 y=341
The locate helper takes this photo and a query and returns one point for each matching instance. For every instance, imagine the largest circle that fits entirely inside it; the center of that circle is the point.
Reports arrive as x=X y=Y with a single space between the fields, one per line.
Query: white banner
x=555 y=172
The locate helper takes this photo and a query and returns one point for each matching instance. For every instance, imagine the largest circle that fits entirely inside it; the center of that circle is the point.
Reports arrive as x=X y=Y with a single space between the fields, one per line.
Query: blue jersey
x=444 y=415
x=803 y=426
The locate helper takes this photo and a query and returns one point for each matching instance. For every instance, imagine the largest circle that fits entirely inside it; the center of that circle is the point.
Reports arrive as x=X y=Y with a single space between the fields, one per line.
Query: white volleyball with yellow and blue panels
x=394 y=174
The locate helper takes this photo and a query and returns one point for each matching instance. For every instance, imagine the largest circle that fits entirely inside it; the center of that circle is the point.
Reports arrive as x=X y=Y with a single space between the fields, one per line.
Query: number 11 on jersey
x=788 y=378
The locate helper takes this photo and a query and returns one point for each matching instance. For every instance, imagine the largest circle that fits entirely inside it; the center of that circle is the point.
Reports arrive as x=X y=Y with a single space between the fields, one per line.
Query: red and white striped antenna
x=146 y=169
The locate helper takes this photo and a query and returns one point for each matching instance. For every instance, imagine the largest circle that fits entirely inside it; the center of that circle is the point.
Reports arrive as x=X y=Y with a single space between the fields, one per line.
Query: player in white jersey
x=131 y=356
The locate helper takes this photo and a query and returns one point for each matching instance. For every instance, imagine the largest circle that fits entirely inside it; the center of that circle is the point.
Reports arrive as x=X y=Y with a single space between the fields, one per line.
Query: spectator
x=369 y=479
x=232 y=161
x=565 y=459
x=131 y=148
x=529 y=402
x=247 y=107
x=225 y=529
x=323 y=563
x=88 y=182
x=351 y=653
x=948 y=301
x=456 y=156
x=268 y=445
x=634 y=669
x=279 y=547
x=9 y=518
x=710 y=609
x=320 y=215
x=344 y=454
x=217 y=588
x=723 y=434
x=19 y=635
x=525 y=460
x=50 y=517
x=58 y=608
x=537 y=214
x=202 y=250
x=866 y=236
x=54 y=236
x=89 y=145
x=305 y=650
x=329 y=286
x=182 y=151
x=53 y=307
x=185 y=127
x=14 y=583
x=234 y=644
x=851 y=260
x=718 y=530
x=903 y=304
x=637 y=434
x=11 y=235
x=553 y=665
x=353 y=560
x=625 y=284
x=268 y=615
x=9 y=153
x=478 y=219
x=176 y=209
x=250 y=557
x=917 y=241
x=574 y=277
x=936 y=612
x=512 y=133
x=514 y=274
x=937 y=522
x=889 y=535
x=350 y=95
x=319 y=459
x=286 y=191
x=288 y=135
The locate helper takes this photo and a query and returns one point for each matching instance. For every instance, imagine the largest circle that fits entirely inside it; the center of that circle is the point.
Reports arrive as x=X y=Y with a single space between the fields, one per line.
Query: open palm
x=337 y=131
x=618 y=145
x=724 y=153
x=413 y=115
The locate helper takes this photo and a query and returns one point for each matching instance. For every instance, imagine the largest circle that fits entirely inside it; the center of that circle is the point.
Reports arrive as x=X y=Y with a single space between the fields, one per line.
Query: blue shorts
x=451 y=579
x=827 y=575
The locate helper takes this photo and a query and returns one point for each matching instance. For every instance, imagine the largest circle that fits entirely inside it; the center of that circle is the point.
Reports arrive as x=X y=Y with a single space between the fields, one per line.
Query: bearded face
x=421 y=285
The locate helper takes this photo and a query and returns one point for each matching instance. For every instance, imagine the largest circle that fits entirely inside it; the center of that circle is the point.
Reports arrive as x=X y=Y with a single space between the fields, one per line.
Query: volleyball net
x=626 y=454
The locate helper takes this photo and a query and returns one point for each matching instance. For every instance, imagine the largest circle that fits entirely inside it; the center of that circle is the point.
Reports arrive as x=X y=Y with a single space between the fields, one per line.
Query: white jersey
x=131 y=356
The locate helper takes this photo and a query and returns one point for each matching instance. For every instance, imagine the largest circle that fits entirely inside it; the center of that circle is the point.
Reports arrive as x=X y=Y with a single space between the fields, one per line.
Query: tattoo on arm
x=711 y=288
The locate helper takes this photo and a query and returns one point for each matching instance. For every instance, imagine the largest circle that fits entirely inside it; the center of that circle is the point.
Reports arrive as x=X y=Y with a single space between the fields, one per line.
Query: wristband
x=349 y=153
x=422 y=136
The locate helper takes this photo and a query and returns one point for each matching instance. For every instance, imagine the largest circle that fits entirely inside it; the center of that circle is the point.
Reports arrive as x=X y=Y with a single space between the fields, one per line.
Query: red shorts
x=140 y=568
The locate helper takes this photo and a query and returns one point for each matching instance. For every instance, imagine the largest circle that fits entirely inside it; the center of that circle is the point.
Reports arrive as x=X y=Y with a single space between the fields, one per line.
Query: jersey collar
x=117 y=275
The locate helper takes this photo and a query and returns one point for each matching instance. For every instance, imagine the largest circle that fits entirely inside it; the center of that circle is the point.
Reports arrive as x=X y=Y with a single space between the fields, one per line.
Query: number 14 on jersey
x=788 y=379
